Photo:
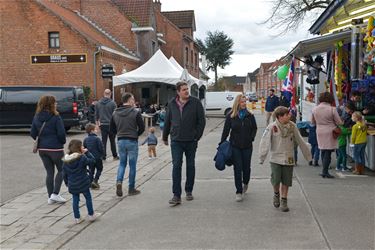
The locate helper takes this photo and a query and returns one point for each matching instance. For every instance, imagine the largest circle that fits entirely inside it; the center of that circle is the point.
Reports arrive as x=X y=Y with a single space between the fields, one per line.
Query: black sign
x=108 y=71
x=59 y=58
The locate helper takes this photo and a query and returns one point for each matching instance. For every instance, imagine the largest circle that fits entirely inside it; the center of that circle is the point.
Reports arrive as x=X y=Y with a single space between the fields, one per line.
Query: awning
x=319 y=44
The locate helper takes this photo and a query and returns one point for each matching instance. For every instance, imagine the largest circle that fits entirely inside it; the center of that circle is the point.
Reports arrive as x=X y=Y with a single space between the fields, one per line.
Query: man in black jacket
x=185 y=122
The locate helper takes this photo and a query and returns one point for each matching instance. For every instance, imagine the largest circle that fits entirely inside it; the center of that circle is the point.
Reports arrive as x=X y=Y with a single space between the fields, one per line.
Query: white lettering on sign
x=58 y=58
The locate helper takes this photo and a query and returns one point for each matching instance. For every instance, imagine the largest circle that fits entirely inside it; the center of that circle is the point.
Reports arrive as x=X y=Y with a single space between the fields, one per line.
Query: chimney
x=157 y=5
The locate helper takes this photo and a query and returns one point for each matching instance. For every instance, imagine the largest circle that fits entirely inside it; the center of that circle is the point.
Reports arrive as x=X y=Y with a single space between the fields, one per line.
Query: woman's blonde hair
x=47 y=103
x=236 y=105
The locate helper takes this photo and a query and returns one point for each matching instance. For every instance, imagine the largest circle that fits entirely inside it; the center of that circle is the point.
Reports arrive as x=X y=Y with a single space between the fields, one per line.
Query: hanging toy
x=338 y=68
x=370 y=34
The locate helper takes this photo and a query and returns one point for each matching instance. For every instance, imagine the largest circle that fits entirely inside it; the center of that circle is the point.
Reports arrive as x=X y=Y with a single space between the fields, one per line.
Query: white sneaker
x=80 y=220
x=94 y=216
x=245 y=187
x=50 y=202
x=150 y=158
x=57 y=198
x=239 y=197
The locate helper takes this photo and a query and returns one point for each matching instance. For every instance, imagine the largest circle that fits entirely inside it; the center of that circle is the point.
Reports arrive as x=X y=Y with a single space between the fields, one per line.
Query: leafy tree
x=217 y=47
x=287 y=15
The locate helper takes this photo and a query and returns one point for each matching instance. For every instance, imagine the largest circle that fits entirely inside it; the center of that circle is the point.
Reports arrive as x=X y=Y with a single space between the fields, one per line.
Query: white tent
x=179 y=67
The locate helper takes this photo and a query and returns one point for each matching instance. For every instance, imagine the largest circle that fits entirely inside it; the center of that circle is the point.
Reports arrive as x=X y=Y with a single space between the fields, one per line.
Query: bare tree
x=287 y=15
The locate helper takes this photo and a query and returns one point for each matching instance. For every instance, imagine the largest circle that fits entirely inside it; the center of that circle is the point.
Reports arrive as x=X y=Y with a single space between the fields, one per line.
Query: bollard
x=263 y=104
x=253 y=106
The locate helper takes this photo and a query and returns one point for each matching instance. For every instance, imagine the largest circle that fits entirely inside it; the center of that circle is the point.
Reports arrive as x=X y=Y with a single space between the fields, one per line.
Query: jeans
x=90 y=209
x=105 y=134
x=178 y=148
x=99 y=168
x=315 y=152
x=359 y=153
x=341 y=157
x=241 y=166
x=128 y=149
x=326 y=160
x=51 y=159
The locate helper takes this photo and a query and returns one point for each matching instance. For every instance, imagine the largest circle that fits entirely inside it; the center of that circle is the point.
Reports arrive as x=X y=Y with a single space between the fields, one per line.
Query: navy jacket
x=53 y=135
x=75 y=172
x=94 y=145
x=223 y=155
x=272 y=103
x=151 y=139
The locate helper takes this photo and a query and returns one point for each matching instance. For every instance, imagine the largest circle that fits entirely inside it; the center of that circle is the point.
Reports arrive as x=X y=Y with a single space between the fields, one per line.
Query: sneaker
x=338 y=169
x=133 y=191
x=94 y=216
x=95 y=185
x=276 y=200
x=115 y=158
x=245 y=187
x=189 y=196
x=79 y=220
x=50 y=202
x=175 y=200
x=284 y=205
x=119 y=189
x=57 y=198
x=150 y=158
x=239 y=197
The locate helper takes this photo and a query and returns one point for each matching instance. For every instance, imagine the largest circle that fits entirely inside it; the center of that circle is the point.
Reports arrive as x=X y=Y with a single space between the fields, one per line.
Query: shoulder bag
x=35 y=146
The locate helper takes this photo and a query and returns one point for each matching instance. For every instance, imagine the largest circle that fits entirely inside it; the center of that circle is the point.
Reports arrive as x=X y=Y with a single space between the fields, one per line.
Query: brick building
x=266 y=78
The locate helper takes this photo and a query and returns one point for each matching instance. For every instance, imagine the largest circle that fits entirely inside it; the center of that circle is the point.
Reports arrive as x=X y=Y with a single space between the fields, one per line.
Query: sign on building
x=58 y=58
x=108 y=71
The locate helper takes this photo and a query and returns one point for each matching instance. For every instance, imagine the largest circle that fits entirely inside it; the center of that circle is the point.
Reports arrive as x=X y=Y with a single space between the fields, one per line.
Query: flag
x=288 y=88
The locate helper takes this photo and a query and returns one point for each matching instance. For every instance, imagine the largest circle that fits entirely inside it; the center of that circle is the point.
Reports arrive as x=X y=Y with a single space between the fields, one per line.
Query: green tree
x=217 y=47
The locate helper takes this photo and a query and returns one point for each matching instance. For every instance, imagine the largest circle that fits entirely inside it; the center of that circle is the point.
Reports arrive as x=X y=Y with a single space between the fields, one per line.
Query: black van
x=18 y=105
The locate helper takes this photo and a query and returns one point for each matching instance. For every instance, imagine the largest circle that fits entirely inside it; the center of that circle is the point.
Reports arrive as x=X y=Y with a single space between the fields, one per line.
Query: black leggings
x=51 y=159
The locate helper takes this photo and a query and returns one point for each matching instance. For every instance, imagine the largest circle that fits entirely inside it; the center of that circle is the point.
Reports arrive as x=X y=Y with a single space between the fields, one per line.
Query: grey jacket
x=127 y=123
x=104 y=109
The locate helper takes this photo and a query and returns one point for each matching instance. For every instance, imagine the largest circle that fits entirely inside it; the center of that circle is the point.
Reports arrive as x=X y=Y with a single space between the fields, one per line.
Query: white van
x=220 y=103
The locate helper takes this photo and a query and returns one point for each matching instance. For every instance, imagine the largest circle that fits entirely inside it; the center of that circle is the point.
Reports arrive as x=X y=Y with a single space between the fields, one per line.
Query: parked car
x=18 y=105
x=220 y=103
x=252 y=96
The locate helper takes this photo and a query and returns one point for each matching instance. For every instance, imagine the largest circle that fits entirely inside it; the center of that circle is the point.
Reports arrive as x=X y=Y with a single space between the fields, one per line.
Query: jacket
x=343 y=137
x=75 y=172
x=271 y=103
x=242 y=132
x=151 y=140
x=53 y=135
x=104 y=109
x=279 y=139
x=94 y=145
x=223 y=155
x=186 y=126
x=359 y=133
x=127 y=123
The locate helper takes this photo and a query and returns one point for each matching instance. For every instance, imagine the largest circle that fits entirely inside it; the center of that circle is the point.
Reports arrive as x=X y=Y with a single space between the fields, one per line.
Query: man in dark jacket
x=128 y=124
x=185 y=122
x=272 y=102
x=103 y=112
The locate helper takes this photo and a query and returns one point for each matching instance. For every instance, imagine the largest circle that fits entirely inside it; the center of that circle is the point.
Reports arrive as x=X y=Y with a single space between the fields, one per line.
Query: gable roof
x=85 y=28
x=138 y=11
x=235 y=79
x=182 y=19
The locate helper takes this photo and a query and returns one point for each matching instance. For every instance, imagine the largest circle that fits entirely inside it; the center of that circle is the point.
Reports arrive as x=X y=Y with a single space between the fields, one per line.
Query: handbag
x=336 y=132
x=35 y=145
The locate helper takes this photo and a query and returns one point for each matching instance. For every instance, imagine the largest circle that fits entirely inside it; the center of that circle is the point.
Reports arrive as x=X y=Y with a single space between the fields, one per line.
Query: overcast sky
x=239 y=20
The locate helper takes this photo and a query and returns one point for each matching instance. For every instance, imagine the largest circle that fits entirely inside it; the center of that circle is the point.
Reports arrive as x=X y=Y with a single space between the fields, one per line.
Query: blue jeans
x=359 y=153
x=315 y=152
x=178 y=148
x=90 y=209
x=241 y=166
x=341 y=157
x=127 y=149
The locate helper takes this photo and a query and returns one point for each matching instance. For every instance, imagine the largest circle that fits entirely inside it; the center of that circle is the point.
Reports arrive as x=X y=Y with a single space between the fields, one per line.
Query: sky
x=239 y=19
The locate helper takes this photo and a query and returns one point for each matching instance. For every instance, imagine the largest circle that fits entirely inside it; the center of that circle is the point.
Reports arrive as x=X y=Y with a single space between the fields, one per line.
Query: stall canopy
x=157 y=69
x=180 y=68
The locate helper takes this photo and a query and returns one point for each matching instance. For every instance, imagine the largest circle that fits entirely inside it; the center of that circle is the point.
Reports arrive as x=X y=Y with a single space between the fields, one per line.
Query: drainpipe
x=95 y=54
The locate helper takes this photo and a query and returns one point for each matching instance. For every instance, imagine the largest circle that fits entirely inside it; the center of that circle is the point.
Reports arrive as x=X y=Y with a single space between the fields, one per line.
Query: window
x=186 y=57
x=54 y=39
x=196 y=60
x=153 y=47
x=191 y=59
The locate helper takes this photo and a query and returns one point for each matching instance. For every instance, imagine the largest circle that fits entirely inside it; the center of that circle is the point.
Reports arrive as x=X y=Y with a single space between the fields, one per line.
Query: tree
x=217 y=47
x=287 y=15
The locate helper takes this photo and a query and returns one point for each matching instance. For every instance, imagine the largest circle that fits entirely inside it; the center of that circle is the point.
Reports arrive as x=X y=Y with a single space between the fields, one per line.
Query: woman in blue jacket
x=50 y=144
x=241 y=125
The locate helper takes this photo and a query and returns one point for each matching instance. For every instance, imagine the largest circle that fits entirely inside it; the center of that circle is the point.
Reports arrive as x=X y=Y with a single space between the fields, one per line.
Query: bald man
x=103 y=113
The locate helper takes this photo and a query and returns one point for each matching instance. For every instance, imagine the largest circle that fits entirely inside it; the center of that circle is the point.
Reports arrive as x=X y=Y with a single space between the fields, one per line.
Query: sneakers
x=175 y=200
x=338 y=169
x=94 y=216
x=57 y=198
x=95 y=185
x=150 y=158
x=119 y=189
x=133 y=191
x=284 y=205
x=50 y=202
x=239 y=197
x=244 y=188
x=79 y=220
x=276 y=200
x=189 y=196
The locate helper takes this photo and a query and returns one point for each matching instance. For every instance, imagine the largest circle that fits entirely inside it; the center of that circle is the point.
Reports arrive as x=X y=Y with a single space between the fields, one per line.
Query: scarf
x=285 y=129
x=242 y=113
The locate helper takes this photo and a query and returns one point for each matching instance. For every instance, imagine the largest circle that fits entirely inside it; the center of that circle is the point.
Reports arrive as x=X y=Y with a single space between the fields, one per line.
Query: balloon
x=282 y=72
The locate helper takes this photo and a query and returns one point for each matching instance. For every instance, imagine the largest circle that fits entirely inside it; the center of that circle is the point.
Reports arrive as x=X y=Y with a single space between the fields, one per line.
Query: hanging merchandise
x=338 y=69
x=369 y=39
x=313 y=69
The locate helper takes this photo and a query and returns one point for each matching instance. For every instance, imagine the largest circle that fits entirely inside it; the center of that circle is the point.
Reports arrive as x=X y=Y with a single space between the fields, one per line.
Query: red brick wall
x=70 y=4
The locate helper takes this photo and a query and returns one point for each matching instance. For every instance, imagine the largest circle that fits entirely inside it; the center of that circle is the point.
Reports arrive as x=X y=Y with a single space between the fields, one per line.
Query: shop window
x=54 y=39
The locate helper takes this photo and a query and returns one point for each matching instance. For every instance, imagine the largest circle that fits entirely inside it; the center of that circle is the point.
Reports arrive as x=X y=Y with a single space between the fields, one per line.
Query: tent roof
x=157 y=69
x=179 y=67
